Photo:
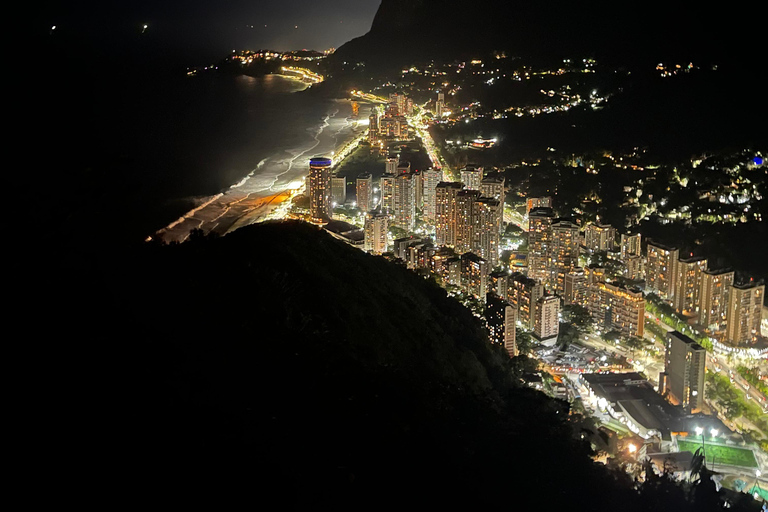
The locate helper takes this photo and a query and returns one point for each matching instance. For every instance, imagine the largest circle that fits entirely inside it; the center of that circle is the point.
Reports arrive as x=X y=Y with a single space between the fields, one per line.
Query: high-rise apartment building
x=390 y=165
x=474 y=275
x=595 y=274
x=713 y=299
x=547 y=317
x=493 y=186
x=418 y=190
x=446 y=193
x=661 y=270
x=683 y=378
x=745 y=305
x=563 y=253
x=500 y=319
x=537 y=202
x=539 y=241
x=338 y=190
x=387 y=186
x=364 y=187
x=320 y=189
x=486 y=237
x=430 y=178
x=523 y=292
x=404 y=202
x=375 y=232
x=373 y=127
x=439 y=104
x=688 y=284
x=498 y=282
x=617 y=307
x=634 y=268
x=599 y=237
x=465 y=220
x=575 y=287
x=630 y=245
x=471 y=177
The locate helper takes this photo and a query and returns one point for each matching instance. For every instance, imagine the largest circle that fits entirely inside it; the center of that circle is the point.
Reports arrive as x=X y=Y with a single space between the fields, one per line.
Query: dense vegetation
x=302 y=370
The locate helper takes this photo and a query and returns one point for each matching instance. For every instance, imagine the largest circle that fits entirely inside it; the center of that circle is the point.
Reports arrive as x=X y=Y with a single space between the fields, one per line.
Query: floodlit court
x=719 y=454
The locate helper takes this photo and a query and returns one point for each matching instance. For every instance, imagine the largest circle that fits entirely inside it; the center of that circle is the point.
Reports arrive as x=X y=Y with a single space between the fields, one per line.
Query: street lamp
x=700 y=432
x=756 y=495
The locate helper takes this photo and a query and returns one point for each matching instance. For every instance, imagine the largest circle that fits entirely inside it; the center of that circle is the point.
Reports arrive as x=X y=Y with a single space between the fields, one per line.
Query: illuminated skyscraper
x=661 y=270
x=547 y=317
x=376 y=228
x=500 y=319
x=539 y=242
x=471 y=177
x=683 y=378
x=445 y=212
x=465 y=220
x=575 y=287
x=630 y=245
x=634 y=268
x=338 y=190
x=439 y=104
x=486 y=237
x=599 y=237
x=617 y=307
x=714 y=296
x=498 y=282
x=404 y=202
x=373 y=127
x=745 y=305
x=387 y=185
x=430 y=179
x=391 y=165
x=320 y=189
x=364 y=187
x=474 y=275
x=523 y=292
x=493 y=187
x=563 y=253
x=688 y=284
x=537 y=202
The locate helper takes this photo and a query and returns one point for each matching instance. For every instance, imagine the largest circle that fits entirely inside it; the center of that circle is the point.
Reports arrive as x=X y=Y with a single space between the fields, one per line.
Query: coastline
x=269 y=185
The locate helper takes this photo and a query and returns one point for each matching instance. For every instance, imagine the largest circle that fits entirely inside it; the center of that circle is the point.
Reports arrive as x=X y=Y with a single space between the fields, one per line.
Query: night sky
x=207 y=29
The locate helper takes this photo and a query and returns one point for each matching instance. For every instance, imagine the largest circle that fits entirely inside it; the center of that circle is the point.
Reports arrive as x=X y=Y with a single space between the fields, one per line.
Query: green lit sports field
x=721 y=454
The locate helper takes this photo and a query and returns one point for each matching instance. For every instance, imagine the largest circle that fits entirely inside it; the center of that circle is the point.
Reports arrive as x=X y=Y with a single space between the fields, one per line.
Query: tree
x=578 y=316
x=634 y=342
x=611 y=336
x=567 y=335
x=523 y=341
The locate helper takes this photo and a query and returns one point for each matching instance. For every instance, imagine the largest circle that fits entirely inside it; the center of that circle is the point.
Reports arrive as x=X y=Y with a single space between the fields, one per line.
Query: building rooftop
x=661 y=246
x=541 y=211
x=685 y=339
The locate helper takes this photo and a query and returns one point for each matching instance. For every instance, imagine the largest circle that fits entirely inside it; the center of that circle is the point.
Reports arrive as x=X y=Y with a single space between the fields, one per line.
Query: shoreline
x=236 y=207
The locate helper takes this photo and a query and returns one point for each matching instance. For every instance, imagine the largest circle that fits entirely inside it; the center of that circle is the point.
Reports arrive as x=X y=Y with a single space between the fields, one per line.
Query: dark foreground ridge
x=305 y=373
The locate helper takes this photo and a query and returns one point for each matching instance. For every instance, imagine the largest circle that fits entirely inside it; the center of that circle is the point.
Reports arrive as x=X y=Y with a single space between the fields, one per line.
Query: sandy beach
x=265 y=189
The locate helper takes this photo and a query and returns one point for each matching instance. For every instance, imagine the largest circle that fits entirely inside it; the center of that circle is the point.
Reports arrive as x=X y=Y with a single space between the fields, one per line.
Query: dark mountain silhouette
x=406 y=31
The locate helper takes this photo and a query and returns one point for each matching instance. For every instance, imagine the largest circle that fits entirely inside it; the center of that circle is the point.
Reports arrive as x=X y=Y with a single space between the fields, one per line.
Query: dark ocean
x=123 y=148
